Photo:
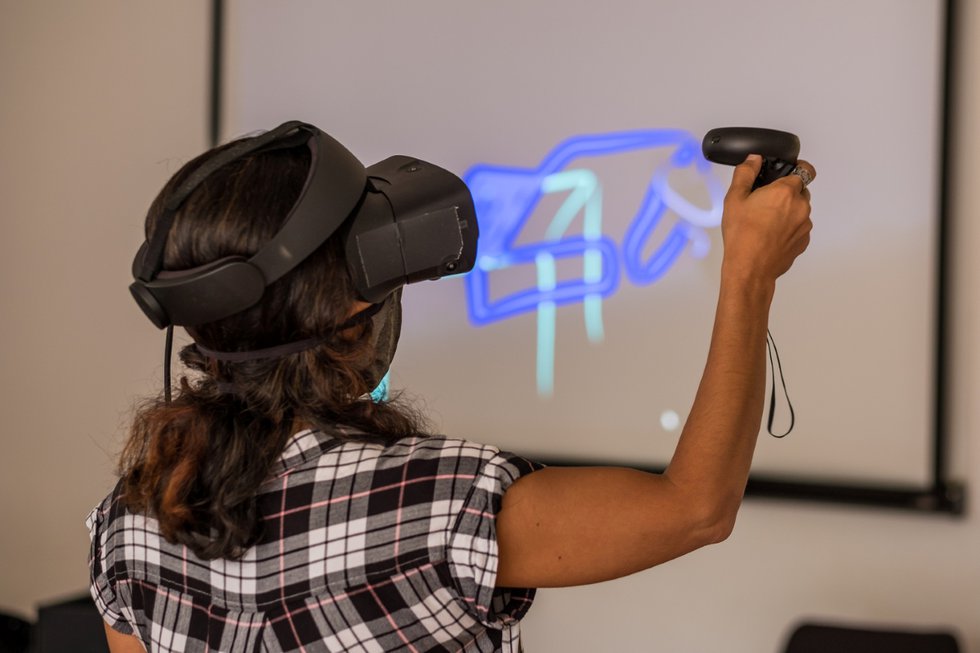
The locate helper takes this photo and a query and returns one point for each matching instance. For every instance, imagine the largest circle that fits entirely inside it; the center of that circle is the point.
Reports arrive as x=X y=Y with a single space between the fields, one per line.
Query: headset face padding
x=403 y=221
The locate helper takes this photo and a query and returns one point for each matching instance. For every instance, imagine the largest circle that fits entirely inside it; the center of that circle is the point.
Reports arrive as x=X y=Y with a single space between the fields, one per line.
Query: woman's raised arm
x=571 y=526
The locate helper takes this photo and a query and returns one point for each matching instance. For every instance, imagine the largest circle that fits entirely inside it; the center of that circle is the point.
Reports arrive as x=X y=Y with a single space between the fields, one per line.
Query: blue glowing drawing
x=505 y=198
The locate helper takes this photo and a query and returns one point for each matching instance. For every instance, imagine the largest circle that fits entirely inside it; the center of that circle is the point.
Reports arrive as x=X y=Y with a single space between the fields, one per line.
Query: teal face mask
x=380 y=394
x=386 y=326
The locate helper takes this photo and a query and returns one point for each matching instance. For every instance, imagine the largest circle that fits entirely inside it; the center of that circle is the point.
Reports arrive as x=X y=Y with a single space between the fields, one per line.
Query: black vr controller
x=730 y=145
x=779 y=151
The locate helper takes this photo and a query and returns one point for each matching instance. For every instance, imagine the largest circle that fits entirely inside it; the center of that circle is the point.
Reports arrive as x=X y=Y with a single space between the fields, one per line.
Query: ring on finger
x=803 y=174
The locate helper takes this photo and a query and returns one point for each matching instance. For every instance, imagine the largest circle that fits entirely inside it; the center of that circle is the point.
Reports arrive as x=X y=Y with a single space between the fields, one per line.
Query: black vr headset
x=402 y=220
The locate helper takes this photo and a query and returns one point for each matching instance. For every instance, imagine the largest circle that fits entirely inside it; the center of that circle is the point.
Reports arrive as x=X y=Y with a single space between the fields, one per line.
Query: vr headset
x=402 y=220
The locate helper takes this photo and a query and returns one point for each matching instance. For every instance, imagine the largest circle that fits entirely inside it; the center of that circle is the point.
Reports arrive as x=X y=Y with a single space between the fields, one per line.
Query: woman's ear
x=356 y=307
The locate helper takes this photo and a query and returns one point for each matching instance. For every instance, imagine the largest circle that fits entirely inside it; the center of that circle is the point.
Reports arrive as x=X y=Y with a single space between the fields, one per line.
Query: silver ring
x=803 y=174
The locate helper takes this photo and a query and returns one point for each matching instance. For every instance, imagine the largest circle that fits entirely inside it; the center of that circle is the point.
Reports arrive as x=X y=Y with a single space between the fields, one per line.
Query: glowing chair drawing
x=506 y=197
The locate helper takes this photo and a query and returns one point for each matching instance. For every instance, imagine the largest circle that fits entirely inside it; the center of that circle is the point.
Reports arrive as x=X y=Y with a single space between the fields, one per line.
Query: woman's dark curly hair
x=195 y=464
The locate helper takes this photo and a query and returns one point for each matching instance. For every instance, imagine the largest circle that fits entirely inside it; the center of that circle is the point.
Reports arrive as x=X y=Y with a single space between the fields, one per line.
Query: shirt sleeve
x=101 y=588
x=472 y=550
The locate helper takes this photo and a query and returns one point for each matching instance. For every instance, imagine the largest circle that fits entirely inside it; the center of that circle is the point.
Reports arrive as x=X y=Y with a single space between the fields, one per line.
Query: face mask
x=380 y=394
x=386 y=327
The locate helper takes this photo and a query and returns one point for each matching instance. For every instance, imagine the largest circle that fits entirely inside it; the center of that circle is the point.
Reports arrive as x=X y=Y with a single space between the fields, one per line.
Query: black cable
x=168 y=350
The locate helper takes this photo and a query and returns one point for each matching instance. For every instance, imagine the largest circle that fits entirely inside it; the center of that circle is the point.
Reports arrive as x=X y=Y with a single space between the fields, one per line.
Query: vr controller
x=730 y=145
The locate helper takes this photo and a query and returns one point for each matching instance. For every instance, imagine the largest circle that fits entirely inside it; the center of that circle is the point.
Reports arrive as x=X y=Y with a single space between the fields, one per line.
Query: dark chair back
x=822 y=638
x=15 y=634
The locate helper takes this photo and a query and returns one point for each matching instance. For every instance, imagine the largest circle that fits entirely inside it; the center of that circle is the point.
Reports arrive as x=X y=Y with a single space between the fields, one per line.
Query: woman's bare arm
x=119 y=643
x=571 y=526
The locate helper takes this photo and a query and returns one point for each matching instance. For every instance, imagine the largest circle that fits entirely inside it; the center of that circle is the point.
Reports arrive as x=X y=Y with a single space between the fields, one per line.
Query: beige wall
x=787 y=561
x=102 y=101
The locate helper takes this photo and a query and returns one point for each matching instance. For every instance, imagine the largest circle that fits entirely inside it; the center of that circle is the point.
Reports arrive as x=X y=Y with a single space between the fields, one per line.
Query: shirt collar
x=303 y=447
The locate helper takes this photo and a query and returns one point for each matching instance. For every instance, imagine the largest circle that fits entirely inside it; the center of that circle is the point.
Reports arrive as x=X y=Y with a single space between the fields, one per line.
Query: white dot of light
x=670 y=420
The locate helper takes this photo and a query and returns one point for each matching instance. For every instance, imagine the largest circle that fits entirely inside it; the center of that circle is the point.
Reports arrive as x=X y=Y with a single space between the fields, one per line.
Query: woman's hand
x=766 y=229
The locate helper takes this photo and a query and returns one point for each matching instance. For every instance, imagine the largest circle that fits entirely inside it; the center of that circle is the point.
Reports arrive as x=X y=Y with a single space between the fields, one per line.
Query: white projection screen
x=583 y=332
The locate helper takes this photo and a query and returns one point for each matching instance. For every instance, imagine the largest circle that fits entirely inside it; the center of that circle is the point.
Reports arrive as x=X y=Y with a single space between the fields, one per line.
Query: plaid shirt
x=366 y=548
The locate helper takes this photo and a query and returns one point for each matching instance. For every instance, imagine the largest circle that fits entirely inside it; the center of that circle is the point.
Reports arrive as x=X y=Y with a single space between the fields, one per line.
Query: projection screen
x=582 y=333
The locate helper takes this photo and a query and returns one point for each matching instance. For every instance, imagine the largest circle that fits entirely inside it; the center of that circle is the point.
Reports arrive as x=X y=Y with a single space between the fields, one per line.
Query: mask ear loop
x=777 y=365
x=168 y=350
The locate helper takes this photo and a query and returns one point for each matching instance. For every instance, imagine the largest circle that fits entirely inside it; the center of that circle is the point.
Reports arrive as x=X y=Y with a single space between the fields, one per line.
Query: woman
x=273 y=505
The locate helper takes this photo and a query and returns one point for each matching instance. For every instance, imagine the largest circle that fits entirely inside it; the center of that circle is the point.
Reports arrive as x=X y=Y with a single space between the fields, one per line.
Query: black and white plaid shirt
x=366 y=548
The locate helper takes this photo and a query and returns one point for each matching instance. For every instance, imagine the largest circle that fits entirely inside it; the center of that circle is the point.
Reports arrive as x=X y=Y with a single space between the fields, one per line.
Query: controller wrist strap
x=775 y=365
